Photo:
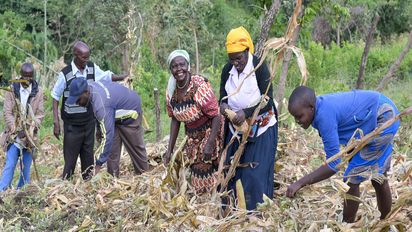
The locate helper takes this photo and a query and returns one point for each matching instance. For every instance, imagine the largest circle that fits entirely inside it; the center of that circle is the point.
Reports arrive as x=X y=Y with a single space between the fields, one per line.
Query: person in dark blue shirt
x=337 y=117
x=119 y=113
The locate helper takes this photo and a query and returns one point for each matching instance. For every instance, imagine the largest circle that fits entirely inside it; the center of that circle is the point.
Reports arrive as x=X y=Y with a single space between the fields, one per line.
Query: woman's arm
x=174 y=131
x=210 y=144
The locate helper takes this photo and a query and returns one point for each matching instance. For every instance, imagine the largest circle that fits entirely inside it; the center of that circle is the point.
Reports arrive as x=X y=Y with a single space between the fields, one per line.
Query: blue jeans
x=12 y=157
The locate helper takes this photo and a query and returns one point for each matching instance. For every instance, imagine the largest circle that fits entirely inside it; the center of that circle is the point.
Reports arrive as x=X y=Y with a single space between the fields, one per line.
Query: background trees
x=137 y=36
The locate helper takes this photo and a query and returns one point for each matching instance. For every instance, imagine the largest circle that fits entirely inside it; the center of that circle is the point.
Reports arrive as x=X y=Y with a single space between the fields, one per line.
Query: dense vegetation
x=137 y=36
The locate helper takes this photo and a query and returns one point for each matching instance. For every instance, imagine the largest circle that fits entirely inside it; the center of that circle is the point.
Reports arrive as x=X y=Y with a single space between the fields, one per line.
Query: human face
x=83 y=99
x=27 y=76
x=81 y=56
x=303 y=114
x=179 y=69
x=239 y=60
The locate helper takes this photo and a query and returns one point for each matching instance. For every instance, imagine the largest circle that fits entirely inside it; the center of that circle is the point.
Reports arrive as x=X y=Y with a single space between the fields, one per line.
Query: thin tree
x=267 y=23
x=394 y=67
x=280 y=93
x=45 y=42
x=369 y=40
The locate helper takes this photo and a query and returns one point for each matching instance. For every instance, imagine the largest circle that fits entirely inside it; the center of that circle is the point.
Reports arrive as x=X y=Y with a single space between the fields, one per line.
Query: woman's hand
x=208 y=150
x=223 y=107
x=239 y=118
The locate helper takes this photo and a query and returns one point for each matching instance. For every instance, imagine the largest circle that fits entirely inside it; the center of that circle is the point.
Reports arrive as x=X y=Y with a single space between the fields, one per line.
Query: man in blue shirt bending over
x=119 y=113
x=337 y=116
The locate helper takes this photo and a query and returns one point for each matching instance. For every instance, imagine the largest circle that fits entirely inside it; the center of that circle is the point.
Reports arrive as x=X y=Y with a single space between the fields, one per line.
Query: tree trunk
x=125 y=58
x=394 y=67
x=197 y=51
x=267 y=23
x=157 y=113
x=285 y=69
x=338 y=35
x=45 y=46
x=361 y=77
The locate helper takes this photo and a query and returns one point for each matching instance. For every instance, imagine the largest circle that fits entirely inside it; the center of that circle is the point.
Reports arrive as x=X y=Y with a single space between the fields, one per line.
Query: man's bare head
x=302 y=103
x=27 y=73
x=81 y=53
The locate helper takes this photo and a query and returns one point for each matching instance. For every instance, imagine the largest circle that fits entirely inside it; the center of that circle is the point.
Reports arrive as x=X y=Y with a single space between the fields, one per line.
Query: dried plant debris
x=163 y=199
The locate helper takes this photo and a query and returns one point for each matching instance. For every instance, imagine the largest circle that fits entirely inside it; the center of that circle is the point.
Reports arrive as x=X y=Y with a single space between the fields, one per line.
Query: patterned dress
x=196 y=110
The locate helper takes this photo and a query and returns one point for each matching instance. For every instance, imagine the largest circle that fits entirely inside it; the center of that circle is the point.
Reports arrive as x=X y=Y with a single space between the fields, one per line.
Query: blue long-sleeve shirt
x=107 y=97
x=338 y=115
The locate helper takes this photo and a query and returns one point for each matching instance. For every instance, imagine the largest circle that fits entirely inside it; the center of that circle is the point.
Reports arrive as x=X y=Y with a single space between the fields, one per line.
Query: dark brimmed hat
x=77 y=87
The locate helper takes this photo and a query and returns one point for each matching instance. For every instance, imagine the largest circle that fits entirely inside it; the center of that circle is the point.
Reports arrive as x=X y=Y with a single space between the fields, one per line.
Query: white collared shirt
x=24 y=97
x=60 y=84
x=249 y=94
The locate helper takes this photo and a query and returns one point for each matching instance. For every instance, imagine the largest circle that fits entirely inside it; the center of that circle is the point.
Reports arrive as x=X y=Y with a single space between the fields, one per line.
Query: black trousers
x=78 y=139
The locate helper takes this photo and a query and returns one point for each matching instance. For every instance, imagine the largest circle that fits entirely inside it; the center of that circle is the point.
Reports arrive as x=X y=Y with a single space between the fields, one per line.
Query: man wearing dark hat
x=119 y=113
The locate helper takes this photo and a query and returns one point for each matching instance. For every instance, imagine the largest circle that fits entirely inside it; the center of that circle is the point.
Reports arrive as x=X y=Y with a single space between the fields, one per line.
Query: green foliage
x=336 y=68
x=149 y=75
x=396 y=18
x=12 y=33
x=168 y=25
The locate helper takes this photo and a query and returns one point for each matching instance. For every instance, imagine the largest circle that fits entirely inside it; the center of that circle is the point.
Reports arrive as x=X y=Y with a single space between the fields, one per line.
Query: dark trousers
x=131 y=136
x=78 y=139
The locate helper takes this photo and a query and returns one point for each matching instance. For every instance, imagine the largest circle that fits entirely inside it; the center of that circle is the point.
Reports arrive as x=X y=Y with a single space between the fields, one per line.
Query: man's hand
x=97 y=169
x=239 y=118
x=56 y=130
x=293 y=189
x=99 y=136
x=21 y=134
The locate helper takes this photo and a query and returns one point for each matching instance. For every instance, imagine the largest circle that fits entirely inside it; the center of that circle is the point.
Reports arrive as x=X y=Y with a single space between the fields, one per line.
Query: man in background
x=23 y=113
x=78 y=121
x=119 y=112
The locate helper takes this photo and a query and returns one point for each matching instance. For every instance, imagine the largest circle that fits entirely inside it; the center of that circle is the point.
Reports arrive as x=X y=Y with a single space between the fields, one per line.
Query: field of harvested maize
x=163 y=200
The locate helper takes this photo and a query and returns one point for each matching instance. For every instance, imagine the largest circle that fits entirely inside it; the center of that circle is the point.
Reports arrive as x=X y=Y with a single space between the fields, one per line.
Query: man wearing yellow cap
x=242 y=93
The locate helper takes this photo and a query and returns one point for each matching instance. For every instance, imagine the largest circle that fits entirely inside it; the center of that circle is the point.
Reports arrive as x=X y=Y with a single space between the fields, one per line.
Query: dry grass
x=152 y=202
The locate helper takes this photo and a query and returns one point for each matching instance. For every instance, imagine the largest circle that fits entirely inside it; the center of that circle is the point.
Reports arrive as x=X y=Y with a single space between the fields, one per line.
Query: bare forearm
x=322 y=173
x=120 y=77
x=174 y=131
x=215 y=129
x=55 y=110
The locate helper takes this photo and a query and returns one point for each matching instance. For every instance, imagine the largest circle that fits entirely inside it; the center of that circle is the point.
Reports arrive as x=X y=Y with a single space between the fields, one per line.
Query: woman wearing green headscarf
x=190 y=99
